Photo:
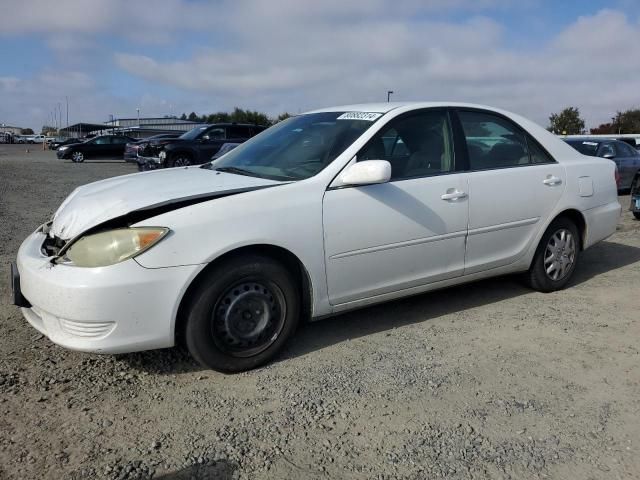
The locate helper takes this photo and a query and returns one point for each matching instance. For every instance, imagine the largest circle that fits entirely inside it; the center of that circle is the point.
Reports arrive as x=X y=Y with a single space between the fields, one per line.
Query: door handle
x=455 y=195
x=552 y=181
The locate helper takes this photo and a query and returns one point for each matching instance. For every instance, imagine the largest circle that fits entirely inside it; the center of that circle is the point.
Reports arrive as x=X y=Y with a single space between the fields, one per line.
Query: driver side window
x=417 y=145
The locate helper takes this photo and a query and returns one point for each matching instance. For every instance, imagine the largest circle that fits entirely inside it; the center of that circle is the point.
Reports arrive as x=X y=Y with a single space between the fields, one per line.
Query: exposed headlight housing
x=162 y=155
x=111 y=247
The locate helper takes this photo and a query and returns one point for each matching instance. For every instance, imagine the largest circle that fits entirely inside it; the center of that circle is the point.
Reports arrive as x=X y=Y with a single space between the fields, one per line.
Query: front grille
x=51 y=246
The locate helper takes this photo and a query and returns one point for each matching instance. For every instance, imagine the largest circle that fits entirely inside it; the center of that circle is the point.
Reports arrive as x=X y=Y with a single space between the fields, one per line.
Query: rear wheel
x=77 y=157
x=556 y=257
x=242 y=314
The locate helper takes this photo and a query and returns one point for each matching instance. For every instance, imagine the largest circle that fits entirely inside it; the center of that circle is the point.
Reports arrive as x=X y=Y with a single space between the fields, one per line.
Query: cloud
x=279 y=59
x=292 y=55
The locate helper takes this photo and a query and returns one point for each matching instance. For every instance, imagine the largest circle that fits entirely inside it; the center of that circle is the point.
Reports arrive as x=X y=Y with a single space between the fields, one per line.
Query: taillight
x=617 y=177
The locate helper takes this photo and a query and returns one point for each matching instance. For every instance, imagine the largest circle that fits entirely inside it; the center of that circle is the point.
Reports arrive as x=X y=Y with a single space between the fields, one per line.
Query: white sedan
x=322 y=213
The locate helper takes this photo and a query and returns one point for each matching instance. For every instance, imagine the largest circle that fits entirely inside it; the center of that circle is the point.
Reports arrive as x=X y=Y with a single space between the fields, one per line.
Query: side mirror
x=609 y=155
x=204 y=138
x=367 y=172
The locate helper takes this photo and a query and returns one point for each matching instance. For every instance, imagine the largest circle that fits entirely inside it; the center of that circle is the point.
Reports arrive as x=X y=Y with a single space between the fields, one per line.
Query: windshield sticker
x=593 y=144
x=366 y=116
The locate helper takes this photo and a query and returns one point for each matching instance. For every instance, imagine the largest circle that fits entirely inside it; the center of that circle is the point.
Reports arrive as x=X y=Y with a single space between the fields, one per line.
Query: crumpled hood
x=98 y=202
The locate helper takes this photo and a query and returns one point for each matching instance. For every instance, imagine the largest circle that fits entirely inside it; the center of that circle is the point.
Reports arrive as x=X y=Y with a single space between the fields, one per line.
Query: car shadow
x=219 y=470
x=602 y=258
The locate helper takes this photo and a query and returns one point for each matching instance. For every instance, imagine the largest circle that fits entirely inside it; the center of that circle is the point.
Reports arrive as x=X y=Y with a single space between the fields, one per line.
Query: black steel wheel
x=241 y=313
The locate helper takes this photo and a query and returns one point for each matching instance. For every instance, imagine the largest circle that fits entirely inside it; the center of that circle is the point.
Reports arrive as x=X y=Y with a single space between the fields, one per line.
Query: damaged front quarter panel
x=56 y=247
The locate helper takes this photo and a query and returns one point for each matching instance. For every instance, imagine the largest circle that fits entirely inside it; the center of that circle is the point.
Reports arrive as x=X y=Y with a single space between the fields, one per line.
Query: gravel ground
x=488 y=380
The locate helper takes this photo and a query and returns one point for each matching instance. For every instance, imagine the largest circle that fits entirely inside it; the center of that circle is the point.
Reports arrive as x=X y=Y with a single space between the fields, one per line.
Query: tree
x=183 y=116
x=627 y=121
x=26 y=131
x=193 y=117
x=602 y=129
x=567 y=122
x=279 y=118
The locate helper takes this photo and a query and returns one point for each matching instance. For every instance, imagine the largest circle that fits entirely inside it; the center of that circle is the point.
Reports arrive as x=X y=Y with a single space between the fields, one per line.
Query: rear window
x=585 y=147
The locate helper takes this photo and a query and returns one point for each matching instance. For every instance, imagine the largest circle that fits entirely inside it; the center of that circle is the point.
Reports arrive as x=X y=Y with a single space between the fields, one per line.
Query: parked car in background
x=227 y=147
x=626 y=158
x=131 y=149
x=59 y=142
x=635 y=196
x=324 y=212
x=195 y=146
x=37 y=139
x=104 y=146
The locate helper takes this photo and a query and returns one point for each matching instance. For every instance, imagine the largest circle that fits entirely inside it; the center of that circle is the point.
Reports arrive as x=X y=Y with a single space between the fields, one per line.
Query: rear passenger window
x=538 y=155
x=493 y=142
x=239 y=132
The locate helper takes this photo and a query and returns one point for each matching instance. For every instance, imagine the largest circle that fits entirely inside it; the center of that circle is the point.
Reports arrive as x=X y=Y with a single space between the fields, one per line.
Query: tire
x=549 y=247
x=229 y=339
x=77 y=157
x=637 y=215
x=537 y=276
x=180 y=160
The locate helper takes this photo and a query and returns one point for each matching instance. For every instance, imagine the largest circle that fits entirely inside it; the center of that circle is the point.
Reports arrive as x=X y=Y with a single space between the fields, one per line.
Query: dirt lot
x=488 y=380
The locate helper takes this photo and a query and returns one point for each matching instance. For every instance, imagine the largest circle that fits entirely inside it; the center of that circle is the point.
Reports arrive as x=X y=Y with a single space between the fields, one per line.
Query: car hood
x=145 y=194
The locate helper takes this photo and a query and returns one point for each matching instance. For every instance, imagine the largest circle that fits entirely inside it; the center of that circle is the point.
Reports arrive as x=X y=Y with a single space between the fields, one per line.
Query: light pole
x=389 y=93
x=138 y=110
x=67 y=98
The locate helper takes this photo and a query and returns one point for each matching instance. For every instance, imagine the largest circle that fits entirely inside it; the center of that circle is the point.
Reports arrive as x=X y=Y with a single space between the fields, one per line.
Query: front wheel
x=242 y=314
x=556 y=257
x=77 y=157
x=181 y=160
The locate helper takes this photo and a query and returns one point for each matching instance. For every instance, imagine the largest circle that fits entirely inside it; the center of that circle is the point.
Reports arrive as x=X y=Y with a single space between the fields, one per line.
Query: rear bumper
x=601 y=222
x=116 y=309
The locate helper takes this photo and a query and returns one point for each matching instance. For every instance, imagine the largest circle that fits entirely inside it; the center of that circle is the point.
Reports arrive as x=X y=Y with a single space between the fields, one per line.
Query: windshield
x=585 y=147
x=193 y=133
x=296 y=148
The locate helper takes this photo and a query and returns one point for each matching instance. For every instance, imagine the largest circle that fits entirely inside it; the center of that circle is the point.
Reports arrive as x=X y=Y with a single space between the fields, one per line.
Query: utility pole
x=67 y=97
x=138 y=110
x=389 y=93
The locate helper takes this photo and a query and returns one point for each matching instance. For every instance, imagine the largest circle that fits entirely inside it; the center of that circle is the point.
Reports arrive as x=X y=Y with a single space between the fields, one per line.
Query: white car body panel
x=506 y=208
x=87 y=206
x=357 y=245
x=396 y=235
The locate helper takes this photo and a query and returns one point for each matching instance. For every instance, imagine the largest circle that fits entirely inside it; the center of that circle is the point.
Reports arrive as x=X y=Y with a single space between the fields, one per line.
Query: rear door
x=118 y=145
x=514 y=185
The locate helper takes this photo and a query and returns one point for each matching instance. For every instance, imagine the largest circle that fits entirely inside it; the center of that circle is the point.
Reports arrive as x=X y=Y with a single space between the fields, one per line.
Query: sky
x=166 y=57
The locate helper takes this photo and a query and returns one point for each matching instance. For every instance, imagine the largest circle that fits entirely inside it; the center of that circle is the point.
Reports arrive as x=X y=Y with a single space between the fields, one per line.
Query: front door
x=404 y=233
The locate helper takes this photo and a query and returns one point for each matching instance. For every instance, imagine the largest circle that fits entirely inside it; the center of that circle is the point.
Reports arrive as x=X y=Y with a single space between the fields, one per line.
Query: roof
x=384 y=107
x=560 y=150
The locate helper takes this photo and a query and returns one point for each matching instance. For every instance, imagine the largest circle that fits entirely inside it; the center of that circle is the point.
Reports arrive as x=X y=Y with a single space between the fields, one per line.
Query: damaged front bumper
x=116 y=309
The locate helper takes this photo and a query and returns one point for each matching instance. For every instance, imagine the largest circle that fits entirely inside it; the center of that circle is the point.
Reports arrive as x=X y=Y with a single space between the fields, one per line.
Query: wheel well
x=576 y=217
x=282 y=255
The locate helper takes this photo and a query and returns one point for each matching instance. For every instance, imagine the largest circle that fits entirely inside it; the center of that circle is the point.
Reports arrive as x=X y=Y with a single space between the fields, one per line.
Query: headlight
x=63 y=148
x=113 y=246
